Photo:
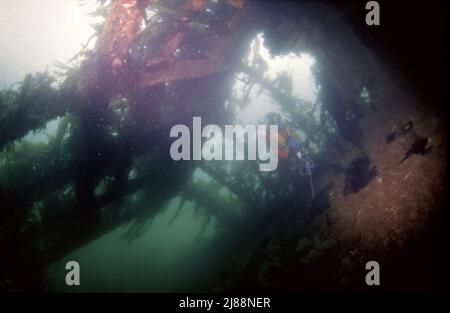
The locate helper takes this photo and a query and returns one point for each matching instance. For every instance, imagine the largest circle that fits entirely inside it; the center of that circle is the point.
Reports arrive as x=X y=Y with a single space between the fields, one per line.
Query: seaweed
x=109 y=156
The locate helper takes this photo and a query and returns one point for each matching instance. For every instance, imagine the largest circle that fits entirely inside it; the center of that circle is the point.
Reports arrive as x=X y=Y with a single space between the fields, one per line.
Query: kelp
x=30 y=107
x=109 y=156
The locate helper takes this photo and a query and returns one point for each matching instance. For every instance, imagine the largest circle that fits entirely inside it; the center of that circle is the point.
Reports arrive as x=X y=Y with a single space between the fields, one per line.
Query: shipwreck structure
x=159 y=63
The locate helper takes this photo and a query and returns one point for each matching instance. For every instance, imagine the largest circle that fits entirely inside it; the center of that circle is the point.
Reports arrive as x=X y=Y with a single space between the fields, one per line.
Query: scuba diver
x=291 y=149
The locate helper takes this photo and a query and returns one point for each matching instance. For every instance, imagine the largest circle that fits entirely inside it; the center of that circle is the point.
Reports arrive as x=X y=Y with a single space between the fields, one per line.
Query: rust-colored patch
x=120 y=31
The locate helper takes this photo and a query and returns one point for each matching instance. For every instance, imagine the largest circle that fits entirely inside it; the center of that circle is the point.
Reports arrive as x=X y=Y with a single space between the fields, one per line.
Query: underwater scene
x=214 y=146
